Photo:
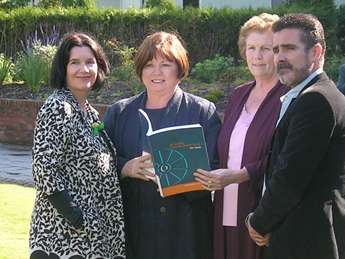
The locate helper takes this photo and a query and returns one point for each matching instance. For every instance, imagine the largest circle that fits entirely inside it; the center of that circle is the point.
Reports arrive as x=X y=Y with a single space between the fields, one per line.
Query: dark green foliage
x=33 y=69
x=6 y=65
x=332 y=65
x=160 y=4
x=211 y=98
x=192 y=3
x=228 y=77
x=237 y=75
x=79 y=3
x=325 y=11
x=48 y=3
x=209 y=71
x=89 y=4
x=217 y=93
x=13 y=4
x=124 y=70
x=206 y=32
x=214 y=95
x=341 y=29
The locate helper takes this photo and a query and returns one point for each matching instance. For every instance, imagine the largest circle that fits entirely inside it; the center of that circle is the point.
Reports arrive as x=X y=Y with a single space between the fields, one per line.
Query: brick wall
x=17 y=120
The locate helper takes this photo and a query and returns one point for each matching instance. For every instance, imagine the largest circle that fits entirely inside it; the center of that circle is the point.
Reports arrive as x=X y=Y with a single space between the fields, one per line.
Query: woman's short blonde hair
x=261 y=23
x=169 y=46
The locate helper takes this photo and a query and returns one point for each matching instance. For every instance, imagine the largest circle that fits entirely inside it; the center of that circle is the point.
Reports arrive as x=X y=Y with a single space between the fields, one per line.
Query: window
x=194 y=3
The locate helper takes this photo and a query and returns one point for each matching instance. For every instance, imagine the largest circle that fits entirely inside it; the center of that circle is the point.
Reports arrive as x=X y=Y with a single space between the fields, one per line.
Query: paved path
x=15 y=165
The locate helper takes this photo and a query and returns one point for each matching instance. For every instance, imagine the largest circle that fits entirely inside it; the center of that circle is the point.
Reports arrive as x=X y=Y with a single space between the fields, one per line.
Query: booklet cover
x=145 y=127
x=177 y=152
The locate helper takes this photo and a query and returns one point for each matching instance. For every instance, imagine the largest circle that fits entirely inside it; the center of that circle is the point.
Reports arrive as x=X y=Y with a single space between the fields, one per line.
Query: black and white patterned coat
x=66 y=156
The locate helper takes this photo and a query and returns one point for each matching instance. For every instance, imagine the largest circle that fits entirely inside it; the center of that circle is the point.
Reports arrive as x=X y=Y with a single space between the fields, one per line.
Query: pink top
x=236 y=144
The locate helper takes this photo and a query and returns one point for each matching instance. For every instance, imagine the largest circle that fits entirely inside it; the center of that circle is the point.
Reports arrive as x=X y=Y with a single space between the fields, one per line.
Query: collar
x=92 y=112
x=294 y=92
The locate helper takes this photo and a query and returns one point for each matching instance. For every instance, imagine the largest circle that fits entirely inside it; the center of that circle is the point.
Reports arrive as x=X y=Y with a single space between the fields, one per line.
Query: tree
x=325 y=11
x=13 y=4
x=341 y=29
x=163 y=4
x=79 y=3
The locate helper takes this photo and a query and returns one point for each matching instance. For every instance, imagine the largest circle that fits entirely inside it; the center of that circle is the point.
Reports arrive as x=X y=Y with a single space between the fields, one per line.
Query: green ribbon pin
x=97 y=127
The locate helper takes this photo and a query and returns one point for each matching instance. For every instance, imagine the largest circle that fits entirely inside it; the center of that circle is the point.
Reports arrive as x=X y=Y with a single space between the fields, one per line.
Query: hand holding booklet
x=177 y=152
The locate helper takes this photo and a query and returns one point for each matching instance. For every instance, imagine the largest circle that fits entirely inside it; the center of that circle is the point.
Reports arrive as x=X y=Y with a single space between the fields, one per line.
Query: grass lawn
x=16 y=203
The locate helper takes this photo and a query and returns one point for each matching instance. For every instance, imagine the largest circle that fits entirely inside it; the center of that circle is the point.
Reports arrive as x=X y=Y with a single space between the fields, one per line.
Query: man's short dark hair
x=312 y=32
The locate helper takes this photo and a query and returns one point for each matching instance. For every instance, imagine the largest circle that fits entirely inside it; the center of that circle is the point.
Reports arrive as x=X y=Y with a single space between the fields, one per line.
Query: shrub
x=48 y=3
x=332 y=65
x=211 y=98
x=228 y=77
x=217 y=93
x=237 y=75
x=214 y=95
x=160 y=4
x=47 y=53
x=209 y=71
x=5 y=68
x=33 y=69
x=125 y=72
x=341 y=28
x=43 y=39
x=206 y=32
x=13 y=4
x=90 y=4
x=37 y=49
x=326 y=12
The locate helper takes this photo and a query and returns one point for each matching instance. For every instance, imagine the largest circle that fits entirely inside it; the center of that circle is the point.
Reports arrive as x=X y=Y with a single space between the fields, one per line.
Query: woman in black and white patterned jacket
x=78 y=209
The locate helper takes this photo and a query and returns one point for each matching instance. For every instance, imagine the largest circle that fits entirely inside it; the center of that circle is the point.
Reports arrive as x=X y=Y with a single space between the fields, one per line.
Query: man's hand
x=257 y=238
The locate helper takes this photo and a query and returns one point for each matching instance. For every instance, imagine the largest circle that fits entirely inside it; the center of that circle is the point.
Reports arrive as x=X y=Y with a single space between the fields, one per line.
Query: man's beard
x=293 y=77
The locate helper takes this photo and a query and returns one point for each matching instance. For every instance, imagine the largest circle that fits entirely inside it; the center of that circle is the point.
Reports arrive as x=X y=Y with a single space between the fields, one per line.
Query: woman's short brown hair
x=261 y=23
x=169 y=46
x=59 y=65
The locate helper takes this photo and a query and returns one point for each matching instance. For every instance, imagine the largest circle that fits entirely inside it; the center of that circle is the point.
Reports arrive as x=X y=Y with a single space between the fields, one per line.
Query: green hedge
x=207 y=32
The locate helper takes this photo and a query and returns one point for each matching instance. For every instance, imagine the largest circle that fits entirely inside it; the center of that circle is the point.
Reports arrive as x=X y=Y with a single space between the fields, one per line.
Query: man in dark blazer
x=302 y=212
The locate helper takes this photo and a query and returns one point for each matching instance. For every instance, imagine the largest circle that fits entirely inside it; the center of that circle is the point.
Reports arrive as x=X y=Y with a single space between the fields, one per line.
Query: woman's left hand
x=218 y=179
x=136 y=168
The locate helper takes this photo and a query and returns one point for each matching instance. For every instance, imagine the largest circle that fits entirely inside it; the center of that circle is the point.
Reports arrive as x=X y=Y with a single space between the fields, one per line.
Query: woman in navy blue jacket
x=178 y=226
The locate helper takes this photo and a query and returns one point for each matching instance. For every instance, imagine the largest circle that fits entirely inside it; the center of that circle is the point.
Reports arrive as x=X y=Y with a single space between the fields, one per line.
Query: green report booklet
x=177 y=152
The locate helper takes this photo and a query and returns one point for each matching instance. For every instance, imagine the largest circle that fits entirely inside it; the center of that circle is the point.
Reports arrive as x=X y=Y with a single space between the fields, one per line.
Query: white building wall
x=339 y=2
x=126 y=4
x=236 y=4
x=119 y=4
x=108 y=3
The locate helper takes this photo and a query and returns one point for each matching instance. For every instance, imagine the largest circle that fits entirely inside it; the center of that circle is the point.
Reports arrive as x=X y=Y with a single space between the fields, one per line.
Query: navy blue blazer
x=304 y=203
x=178 y=226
